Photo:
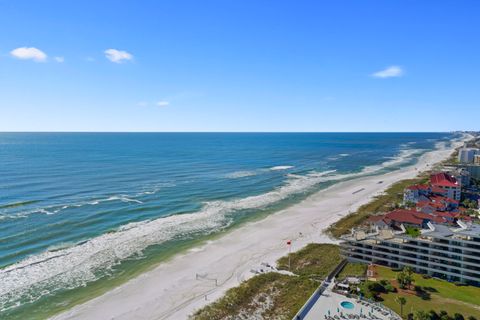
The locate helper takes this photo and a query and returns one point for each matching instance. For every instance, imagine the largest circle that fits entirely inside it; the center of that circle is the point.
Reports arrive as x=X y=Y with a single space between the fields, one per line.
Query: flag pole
x=289 y=243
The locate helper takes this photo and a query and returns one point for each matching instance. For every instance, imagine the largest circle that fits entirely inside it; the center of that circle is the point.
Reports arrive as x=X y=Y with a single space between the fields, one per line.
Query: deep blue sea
x=77 y=209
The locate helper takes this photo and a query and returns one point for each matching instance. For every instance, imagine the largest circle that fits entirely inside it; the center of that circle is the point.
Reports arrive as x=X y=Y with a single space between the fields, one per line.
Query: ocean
x=83 y=212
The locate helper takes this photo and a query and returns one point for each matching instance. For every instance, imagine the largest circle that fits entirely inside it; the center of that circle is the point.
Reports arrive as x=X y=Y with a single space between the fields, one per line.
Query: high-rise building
x=466 y=155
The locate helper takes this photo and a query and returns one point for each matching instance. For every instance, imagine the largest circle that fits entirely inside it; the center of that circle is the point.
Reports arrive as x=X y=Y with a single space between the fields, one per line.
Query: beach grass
x=392 y=197
x=431 y=294
x=271 y=296
x=313 y=260
x=274 y=295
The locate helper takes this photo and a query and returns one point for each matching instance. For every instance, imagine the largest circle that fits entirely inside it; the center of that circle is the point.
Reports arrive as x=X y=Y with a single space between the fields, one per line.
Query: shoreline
x=176 y=288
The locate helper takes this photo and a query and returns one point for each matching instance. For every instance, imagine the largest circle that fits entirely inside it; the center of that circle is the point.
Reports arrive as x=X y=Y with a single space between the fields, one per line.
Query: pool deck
x=328 y=307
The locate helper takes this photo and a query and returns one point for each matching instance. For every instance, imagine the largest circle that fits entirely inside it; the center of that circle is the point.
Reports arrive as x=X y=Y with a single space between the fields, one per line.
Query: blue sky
x=239 y=65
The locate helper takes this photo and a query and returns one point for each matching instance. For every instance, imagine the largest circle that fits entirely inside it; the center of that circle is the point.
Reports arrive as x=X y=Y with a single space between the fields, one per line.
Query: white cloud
x=390 y=72
x=29 y=53
x=117 y=56
x=163 y=103
x=59 y=59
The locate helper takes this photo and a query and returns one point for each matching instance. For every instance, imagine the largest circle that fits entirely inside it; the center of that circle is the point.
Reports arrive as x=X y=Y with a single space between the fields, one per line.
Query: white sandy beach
x=173 y=291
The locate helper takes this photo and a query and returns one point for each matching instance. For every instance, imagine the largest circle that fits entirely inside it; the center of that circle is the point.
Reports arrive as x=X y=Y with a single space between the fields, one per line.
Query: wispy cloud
x=59 y=59
x=163 y=103
x=29 y=53
x=118 y=56
x=390 y=72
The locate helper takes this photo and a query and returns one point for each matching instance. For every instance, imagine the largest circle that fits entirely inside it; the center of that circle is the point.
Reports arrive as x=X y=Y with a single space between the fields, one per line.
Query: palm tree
x=401 y=301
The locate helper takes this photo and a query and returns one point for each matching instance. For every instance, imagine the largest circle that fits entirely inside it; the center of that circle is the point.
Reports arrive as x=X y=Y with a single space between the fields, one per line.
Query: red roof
x=444 y=199
x=436 y=189
x=412 y=217
x=375 y=218
x=402 y=215
x=446 y=214
x=422 y=204
x=422 y=215
x=442 y=179
x=438 y=220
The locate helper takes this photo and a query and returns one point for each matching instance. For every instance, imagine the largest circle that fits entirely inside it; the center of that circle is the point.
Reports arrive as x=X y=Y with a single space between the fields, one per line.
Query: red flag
x=289 y=242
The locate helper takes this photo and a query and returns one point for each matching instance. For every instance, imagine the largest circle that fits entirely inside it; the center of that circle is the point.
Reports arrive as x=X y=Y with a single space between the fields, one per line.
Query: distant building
x=414 y=193
x=463 y=176
x=466 y=155
x=451 y=253
x=476 y=159
x=473 y=169
x=448 y=183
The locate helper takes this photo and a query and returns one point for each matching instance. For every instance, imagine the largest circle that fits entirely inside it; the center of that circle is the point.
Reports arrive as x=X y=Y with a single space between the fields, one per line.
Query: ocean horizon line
x=240 y=132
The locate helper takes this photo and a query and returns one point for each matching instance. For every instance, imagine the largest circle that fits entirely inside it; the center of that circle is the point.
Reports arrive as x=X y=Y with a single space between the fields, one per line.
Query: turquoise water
x=347 y=305
x=81 y=209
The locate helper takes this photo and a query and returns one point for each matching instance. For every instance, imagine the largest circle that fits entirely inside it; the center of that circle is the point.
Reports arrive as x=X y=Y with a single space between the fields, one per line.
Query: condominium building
x=448 y=183
x=466 y=155
x=440 y=251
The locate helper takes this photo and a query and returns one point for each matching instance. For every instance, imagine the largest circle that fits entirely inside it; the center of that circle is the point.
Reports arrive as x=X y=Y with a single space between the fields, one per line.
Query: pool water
x=347 y=305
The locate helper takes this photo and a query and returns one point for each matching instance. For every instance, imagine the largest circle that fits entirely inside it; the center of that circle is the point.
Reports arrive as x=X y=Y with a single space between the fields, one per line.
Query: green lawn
x=353 y=270
x=439 y=295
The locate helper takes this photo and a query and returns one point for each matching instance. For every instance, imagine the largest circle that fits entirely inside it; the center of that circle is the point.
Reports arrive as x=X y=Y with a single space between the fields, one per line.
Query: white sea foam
x=338 y=156
x=54 y=209
x=275 y=168
x=403 y=157
x=241 y=174
x=250 y=173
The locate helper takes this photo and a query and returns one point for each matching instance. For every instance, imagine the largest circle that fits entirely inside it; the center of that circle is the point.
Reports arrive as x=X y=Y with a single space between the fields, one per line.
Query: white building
x=467 y=155
x=448 y=183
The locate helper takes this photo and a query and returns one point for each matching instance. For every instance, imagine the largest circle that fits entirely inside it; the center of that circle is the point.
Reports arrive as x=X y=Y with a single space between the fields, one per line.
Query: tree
x=401 y=301
x=434 y=315
x=444 y=315
x=458 y=316
x=405 y=278
x=472 y=318
x=421 y=315
x=410 y=204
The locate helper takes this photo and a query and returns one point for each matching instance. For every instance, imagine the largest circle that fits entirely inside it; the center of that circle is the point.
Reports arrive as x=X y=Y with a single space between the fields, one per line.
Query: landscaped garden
x=426 y=294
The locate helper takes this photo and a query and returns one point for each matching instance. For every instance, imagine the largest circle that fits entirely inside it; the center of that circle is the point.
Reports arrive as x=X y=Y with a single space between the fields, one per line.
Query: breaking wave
x=280 y=168
x=54 y=209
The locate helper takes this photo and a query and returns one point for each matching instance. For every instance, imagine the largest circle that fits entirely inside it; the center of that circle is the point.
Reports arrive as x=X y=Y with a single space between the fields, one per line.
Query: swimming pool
x=347 y=305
